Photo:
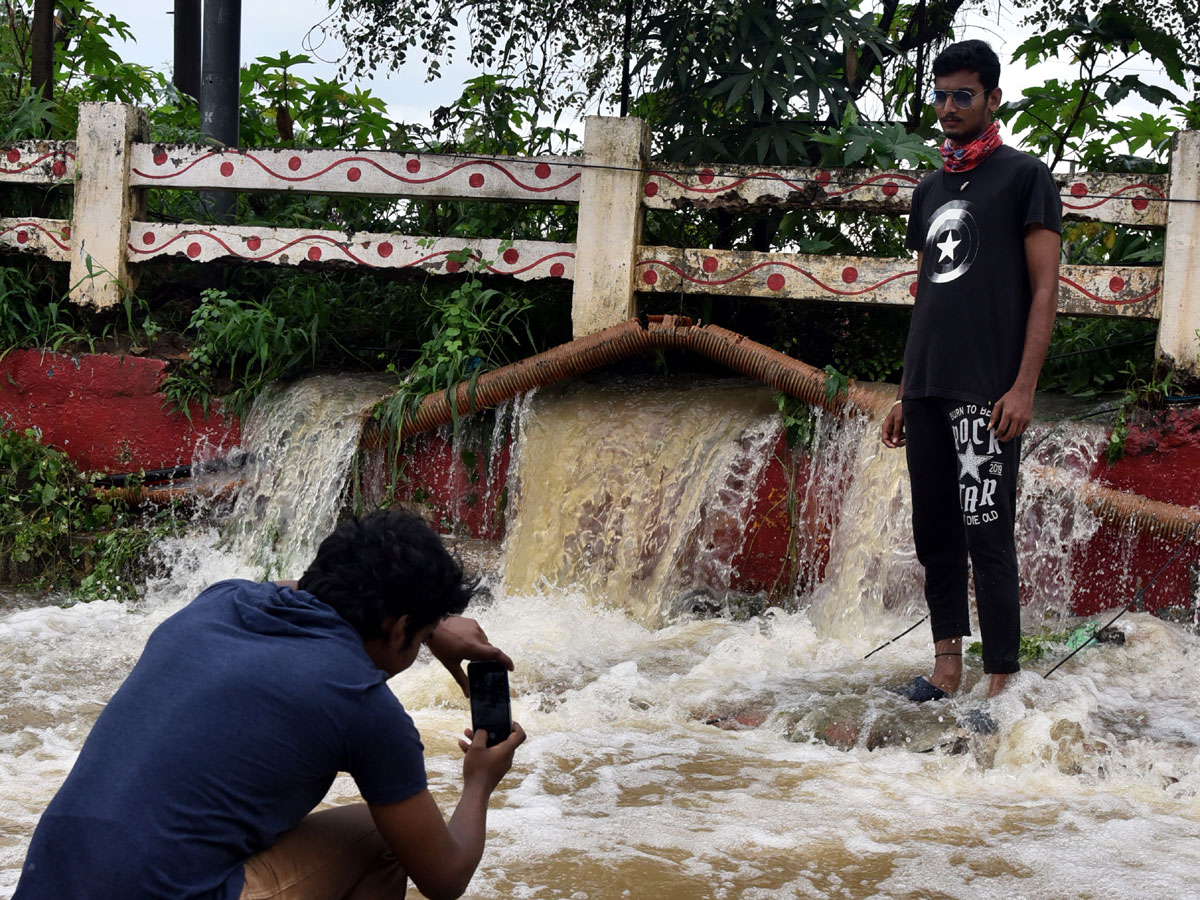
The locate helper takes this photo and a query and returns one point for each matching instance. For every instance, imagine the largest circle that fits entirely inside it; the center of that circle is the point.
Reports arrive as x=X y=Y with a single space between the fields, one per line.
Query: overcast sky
x=269 y=26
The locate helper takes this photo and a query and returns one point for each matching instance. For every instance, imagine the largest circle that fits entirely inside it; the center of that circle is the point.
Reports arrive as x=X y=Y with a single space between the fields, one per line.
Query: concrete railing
x=613 y=182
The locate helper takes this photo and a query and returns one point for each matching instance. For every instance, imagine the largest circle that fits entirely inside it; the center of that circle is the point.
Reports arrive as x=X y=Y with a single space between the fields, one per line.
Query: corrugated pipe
x=624 y=340
x=755 y=360
x=761 y=363
x=557 y=363
x=186 y=493
x=1121 y=507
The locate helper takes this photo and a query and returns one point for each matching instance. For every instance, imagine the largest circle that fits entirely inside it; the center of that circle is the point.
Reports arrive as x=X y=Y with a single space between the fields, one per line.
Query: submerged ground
x=672 y=756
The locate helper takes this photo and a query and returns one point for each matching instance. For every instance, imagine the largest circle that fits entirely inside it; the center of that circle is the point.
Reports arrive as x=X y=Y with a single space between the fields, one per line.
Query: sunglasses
x=962 y=97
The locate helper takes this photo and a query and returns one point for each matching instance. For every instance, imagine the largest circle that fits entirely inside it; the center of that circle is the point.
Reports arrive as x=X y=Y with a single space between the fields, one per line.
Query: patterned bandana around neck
x=968 y=156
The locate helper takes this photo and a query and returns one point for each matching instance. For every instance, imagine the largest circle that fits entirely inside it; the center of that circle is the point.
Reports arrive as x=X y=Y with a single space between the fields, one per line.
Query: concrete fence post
x=610 y=222
x=104 y=202
x=1180 y=315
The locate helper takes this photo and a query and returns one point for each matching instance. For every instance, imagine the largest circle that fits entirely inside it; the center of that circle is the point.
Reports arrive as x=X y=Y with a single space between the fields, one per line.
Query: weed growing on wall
x=470 y=327
x=246 y=342
x=1149 y=392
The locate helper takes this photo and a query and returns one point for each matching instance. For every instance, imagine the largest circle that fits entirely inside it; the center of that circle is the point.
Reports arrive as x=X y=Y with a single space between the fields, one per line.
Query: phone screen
x=490 y=707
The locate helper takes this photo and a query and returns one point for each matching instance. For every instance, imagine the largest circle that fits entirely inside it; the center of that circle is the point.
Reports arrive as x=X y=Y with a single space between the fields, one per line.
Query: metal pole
x=186 y=76
x=626 y=50
x=220 y=88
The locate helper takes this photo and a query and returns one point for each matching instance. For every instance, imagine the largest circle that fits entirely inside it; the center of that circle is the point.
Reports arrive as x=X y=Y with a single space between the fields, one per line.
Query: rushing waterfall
x=636 y=494
x=299 y=443
x=678 y=756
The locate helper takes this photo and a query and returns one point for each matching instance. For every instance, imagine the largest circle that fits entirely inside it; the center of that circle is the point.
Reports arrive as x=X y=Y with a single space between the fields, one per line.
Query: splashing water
x=818 y=782
x=634 y=496
x=299 y=443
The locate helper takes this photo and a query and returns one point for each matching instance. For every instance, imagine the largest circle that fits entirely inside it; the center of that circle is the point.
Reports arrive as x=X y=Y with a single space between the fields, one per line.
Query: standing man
x=986 y=231
x=199 y=778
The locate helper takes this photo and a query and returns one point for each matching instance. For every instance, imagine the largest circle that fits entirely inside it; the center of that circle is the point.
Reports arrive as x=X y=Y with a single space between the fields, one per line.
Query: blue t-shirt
x=233 y=724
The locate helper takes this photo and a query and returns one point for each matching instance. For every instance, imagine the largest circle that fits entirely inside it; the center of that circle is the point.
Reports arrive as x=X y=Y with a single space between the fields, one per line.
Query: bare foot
x=997 y=683
x=947 y=664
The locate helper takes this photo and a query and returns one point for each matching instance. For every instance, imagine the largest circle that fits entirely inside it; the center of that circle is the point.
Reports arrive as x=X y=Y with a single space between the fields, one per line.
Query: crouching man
x=199 y=778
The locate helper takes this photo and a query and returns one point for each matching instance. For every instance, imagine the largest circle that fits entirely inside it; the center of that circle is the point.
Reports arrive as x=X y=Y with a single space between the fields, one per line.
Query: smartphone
x=490 y=706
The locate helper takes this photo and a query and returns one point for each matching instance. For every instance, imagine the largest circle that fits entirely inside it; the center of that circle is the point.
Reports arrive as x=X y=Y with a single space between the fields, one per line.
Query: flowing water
x=631 y=493
x=300 y=443
x=678 y=757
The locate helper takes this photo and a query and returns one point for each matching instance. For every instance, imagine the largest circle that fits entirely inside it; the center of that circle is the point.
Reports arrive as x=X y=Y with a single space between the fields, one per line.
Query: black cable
x=1133 y=343
x=1137 y=599
x=1099 y=412
x=897 y=637
x=1034 y=445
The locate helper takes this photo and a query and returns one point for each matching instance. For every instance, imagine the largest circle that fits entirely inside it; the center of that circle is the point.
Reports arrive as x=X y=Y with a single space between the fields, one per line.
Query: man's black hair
x=972 y=56
x=386 y=565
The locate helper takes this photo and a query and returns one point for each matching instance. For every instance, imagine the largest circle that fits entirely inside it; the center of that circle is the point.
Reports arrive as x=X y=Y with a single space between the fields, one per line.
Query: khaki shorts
x=334 y=854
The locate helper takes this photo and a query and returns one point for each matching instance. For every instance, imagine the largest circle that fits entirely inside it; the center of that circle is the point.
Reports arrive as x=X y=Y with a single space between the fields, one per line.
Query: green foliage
x=246 y=342
x=799 y=418
x=470 y=327
x=55 y=530
x=496 y=115
x=799 y=421
x=279 y=106
x=1101 y=244
x=563 y=50
x=752 y=80
x=1087 y=354
x=1073 y=119
x=1142 y=390
x=24 y=321
x=1033 y=647
x=1039 y=646
x=836 y=384
x=876 y=144
x=86 y=68
x=735 y=80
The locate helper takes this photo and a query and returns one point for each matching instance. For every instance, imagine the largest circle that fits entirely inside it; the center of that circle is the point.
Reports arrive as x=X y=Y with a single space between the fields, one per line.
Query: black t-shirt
x=973 y=293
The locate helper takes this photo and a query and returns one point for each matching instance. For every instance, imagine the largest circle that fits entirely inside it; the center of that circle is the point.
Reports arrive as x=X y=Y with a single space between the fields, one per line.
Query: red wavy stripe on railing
x=533 y=265
x=889 y=176
x=27 y=167
x=232 y=252
x=1115 y=195
x=47 y=232
x=476 y=258
x=1110 y=302
x=144 y=251
x=771 y=176
x=364 y=161
x=715 y=281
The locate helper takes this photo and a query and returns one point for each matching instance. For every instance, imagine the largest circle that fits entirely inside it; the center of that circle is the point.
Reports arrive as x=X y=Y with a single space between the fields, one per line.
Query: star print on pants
x=970 y=461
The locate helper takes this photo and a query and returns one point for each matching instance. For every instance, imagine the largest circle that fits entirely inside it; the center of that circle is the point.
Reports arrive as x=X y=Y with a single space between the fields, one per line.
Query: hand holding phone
x=491 y=708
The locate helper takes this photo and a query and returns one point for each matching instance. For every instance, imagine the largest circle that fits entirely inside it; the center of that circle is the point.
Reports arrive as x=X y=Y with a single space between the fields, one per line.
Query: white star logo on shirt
x=947 y=246
x=970 y=462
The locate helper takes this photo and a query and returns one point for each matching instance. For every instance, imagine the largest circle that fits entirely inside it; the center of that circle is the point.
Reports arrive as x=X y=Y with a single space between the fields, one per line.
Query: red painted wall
x=1162 y=462
x=461 y=495
x=106 y=412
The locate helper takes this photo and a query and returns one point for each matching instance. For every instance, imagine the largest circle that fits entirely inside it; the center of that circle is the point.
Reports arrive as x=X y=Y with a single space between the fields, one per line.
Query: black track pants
x=964 y=493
